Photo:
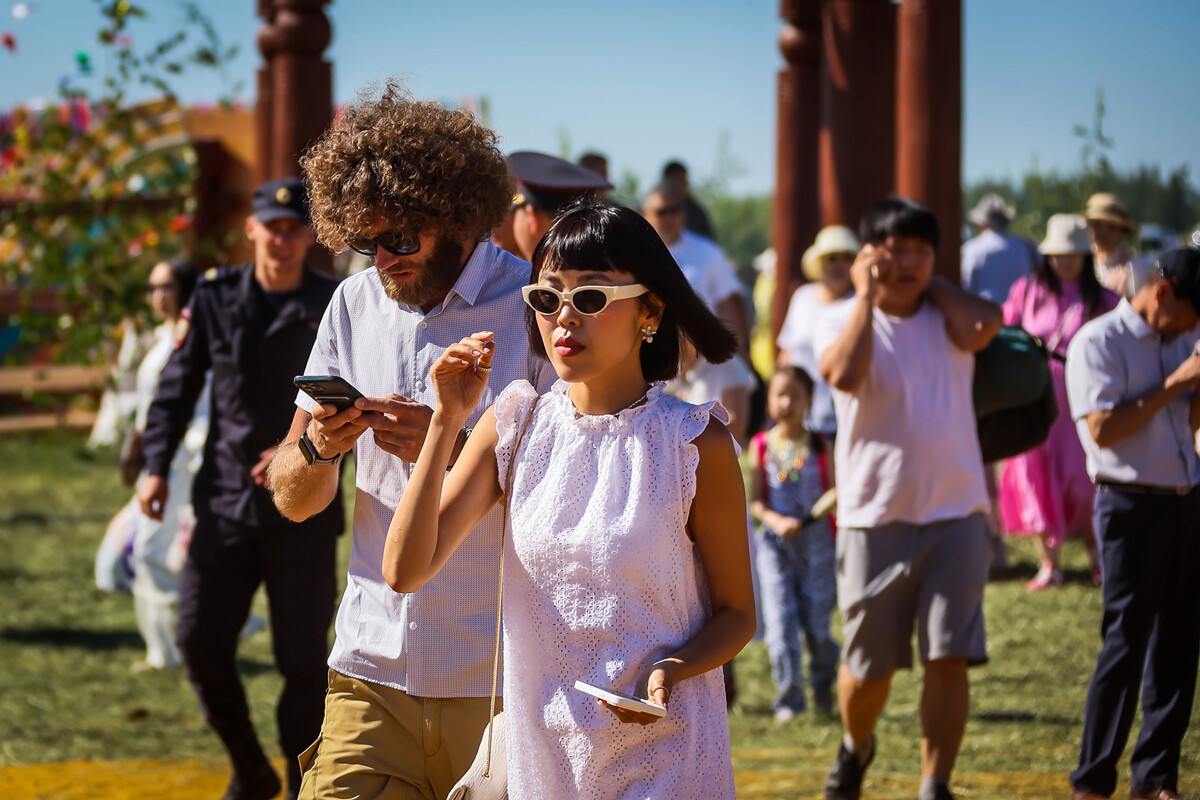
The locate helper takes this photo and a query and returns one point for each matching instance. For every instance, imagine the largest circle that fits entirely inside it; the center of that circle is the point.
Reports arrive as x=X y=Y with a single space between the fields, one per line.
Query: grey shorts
x=896 y=574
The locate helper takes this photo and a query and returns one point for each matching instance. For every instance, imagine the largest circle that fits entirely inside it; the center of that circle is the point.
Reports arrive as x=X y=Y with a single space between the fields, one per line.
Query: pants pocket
x=309 y=756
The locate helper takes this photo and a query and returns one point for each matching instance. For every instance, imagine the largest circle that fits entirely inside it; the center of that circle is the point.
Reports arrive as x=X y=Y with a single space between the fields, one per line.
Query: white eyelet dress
x=601 y=580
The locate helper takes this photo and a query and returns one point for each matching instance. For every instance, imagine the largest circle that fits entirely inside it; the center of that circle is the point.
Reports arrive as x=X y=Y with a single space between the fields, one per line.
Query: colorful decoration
x=21 y=10
x=84 y=62
x=8 y=41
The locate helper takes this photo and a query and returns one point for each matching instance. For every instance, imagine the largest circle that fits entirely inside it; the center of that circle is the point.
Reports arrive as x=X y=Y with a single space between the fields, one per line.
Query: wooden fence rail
x=63 y=382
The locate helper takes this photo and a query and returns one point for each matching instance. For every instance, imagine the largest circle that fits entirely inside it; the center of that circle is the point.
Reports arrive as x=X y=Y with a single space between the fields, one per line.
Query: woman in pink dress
x=1046 y=492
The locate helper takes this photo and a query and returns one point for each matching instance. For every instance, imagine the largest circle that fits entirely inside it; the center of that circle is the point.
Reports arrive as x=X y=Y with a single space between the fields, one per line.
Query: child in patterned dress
x=792 y=469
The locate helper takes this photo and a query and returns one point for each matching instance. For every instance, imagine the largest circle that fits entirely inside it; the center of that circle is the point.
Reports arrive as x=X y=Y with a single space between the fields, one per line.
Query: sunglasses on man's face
x=395 y=242
x=587 y=300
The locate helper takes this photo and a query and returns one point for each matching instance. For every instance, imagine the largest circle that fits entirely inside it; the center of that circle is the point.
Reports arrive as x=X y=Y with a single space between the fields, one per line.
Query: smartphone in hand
x=328 y=390
x=621 y=700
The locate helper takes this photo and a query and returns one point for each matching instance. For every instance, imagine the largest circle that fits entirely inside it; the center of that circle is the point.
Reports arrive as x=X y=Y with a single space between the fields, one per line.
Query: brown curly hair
x=416 y=165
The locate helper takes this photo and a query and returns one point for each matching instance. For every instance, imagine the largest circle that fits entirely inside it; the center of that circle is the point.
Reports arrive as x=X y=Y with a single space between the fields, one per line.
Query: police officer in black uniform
x=252 y=326
x=545 y=186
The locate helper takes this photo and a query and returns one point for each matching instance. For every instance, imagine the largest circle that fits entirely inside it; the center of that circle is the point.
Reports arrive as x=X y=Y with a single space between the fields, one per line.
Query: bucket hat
x=1066 y=234
x=990 y=206
x=830 y=239
x=1106 y=207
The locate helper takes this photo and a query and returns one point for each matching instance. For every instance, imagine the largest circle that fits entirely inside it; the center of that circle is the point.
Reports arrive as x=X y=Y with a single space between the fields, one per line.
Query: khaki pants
x=379 y=743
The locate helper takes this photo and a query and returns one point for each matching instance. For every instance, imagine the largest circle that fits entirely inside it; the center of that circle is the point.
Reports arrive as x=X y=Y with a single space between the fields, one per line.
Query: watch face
x=310 y=454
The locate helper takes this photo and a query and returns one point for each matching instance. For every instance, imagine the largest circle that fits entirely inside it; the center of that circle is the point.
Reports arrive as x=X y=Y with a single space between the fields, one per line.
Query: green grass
x=67 y=693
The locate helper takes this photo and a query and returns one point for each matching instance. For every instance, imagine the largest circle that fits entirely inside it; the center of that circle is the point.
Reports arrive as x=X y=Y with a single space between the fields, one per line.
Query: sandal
x=1047 y=577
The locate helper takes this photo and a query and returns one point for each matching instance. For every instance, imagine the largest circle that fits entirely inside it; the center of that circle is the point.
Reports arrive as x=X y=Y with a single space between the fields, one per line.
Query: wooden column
x=295 y=100
x=295 y=92
x=796 y=211
x=929 y=117
x=857 y=107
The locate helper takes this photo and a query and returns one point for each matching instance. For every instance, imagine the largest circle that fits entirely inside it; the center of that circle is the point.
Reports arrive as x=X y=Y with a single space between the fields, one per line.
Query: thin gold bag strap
x=512 y=460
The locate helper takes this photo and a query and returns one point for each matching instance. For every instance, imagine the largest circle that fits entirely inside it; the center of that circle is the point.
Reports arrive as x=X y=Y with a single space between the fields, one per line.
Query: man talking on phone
x=418 y=188
x=253 y=326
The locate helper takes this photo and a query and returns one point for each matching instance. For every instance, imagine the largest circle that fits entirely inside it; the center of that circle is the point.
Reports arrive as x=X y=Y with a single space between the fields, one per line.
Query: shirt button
x=420 y=385
x=424 y=325
x=412 y=626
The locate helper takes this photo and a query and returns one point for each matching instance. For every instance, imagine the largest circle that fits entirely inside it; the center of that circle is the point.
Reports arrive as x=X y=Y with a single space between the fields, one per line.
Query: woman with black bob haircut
x=594 y=236
x=628 y=563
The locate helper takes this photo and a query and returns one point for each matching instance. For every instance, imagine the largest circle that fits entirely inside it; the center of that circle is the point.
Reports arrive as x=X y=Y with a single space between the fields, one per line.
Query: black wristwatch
x=310 y=452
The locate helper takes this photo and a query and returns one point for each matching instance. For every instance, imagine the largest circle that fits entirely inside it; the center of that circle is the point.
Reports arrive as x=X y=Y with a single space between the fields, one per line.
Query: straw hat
x=991 y=206
x=1105 y=207
x=1066 y=234
x=830 y=239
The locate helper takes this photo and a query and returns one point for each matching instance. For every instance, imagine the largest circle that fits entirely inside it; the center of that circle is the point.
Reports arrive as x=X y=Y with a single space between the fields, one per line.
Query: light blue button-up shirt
x=437 y=641
x=1118 y=357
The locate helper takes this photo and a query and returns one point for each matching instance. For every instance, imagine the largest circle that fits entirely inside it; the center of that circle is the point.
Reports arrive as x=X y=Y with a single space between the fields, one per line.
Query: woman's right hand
x=461 y=374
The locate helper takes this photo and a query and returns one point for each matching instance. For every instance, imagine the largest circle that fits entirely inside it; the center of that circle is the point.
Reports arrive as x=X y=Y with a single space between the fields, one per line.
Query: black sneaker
x=943 y=792
x=845 y=779
x=263 y=784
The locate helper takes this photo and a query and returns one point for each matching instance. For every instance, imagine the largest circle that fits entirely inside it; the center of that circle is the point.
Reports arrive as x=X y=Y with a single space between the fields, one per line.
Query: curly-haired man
x=417 y=187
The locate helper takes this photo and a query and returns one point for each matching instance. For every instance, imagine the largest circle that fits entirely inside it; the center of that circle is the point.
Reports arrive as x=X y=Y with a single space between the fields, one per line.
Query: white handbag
x=487 y=777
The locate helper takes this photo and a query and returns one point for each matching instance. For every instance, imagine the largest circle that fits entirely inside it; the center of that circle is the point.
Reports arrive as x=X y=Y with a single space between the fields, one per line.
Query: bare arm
x=299 y=489
x=1112 y=425
x=781 y=524
x=718 y=525
x=433 y=519
x=971 y=321
x=845 y=363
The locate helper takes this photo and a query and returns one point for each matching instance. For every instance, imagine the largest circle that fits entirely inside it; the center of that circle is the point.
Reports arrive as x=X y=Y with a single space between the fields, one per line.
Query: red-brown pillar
x=857 y=107
x=295 y=101
x=929 y=117
x=796 y=212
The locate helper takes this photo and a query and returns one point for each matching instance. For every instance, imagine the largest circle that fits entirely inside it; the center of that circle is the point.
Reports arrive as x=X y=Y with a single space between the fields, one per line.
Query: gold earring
x=648 y=334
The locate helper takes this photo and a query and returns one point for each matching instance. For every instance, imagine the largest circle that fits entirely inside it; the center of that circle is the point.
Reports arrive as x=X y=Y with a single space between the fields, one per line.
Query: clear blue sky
x=647 y=80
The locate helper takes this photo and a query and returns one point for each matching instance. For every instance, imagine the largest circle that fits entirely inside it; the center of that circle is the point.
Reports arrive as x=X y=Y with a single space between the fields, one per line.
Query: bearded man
x=416 y=187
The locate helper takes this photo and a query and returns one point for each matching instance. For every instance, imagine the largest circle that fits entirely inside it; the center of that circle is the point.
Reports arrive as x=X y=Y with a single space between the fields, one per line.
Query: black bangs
x=581 y=242
x=899 y=216
x=592 y=236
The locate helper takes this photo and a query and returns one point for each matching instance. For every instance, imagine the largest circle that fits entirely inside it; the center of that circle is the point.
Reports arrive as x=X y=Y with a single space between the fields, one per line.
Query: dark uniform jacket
x=253 y=362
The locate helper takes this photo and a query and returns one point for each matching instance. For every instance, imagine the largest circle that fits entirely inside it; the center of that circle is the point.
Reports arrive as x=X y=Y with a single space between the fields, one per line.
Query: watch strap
x=310 y=452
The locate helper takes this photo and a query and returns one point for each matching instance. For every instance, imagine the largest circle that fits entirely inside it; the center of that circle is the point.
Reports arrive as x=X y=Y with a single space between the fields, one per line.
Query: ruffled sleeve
x=511 y=408
x=695 y=420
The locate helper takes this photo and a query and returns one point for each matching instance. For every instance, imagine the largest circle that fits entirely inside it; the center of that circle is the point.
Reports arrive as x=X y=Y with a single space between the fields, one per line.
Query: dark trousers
x=226 y=563
x=1150 y=546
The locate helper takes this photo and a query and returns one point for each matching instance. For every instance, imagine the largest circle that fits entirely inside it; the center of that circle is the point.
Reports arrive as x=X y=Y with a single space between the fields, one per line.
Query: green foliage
x=1170 y=200
x=742 y=224
x=98 y=189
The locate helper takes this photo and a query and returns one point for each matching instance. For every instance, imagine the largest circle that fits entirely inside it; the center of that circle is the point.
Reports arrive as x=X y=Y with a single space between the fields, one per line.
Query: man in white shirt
x=1131 y=381
x=913 y=545
x=994 y=259
x=702 y=260
x=417 y=187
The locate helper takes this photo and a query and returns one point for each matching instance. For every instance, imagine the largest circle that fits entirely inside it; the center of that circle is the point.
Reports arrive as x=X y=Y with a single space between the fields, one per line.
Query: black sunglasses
x=395 y=242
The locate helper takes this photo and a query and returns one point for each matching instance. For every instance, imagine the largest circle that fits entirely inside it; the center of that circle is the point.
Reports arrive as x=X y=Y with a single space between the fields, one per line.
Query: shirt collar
x=476 y=272
x=1133 y=321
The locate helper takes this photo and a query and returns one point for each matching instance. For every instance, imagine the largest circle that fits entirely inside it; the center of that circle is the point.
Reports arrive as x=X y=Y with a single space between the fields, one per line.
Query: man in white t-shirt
x=913 y=545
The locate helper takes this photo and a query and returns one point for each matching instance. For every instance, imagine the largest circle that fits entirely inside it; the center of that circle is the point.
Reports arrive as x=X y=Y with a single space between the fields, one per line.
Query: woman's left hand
x=659 y=684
